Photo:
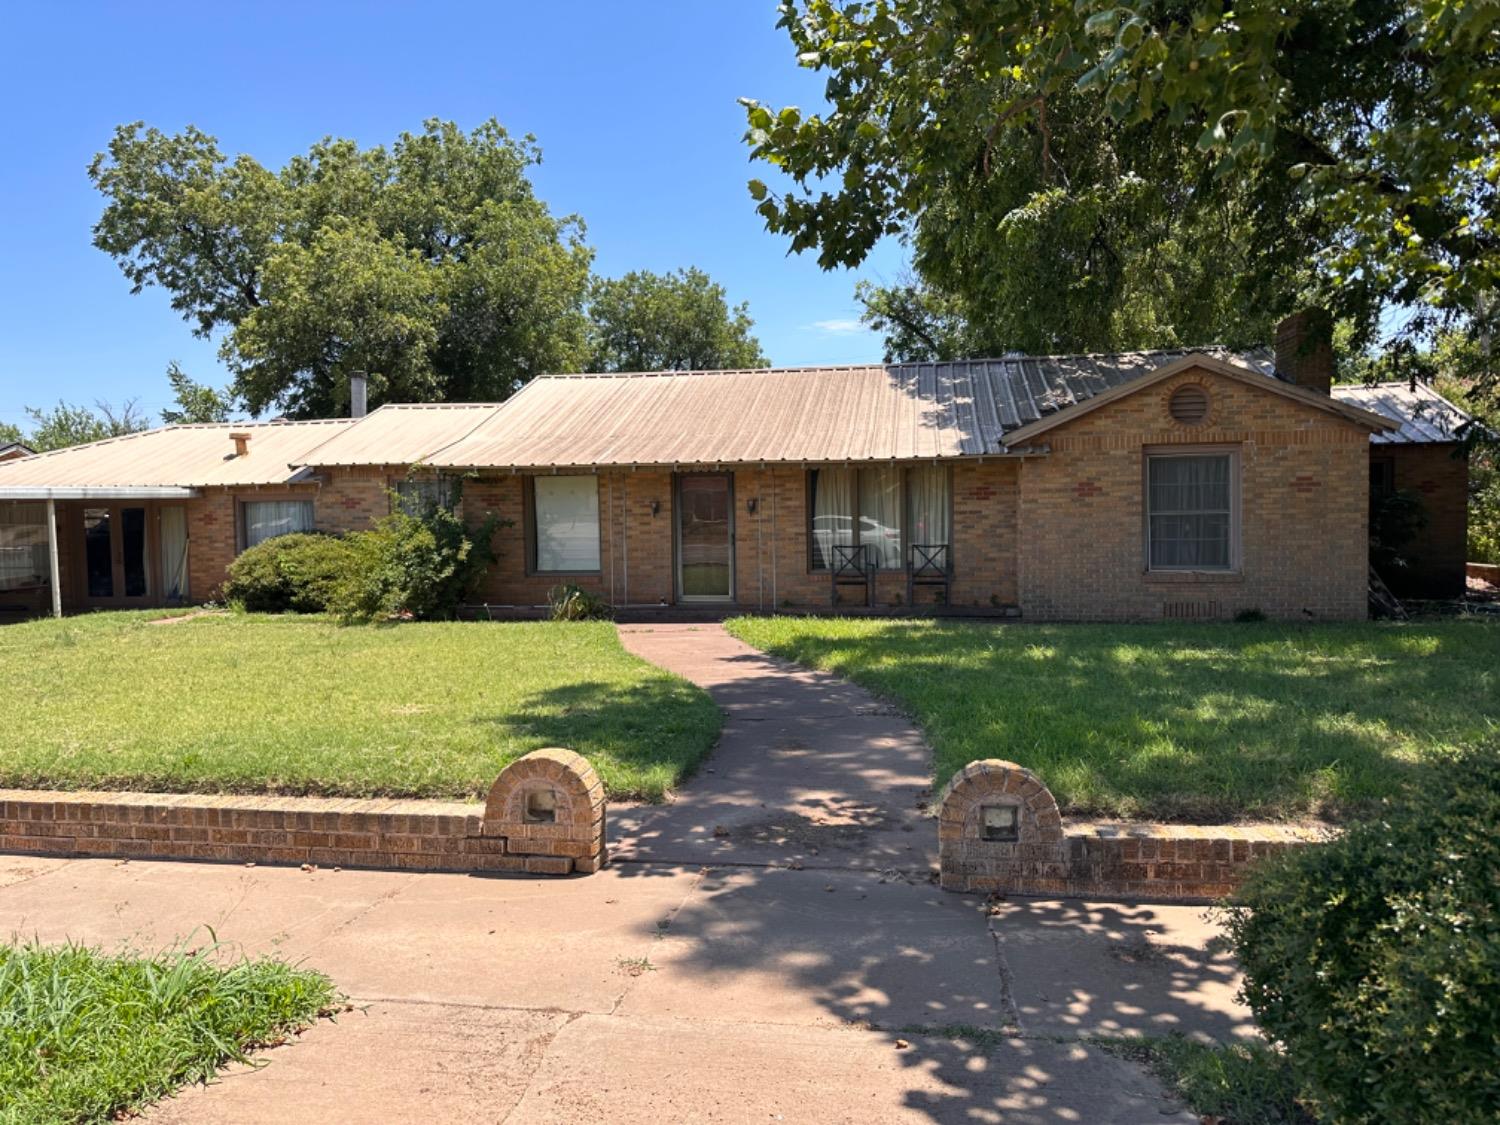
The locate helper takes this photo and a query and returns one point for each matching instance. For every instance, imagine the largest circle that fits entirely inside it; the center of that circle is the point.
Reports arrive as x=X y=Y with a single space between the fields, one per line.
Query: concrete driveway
x=760 y=950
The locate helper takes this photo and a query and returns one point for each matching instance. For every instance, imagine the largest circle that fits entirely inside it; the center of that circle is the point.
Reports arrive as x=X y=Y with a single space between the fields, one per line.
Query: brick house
x=1189 y=484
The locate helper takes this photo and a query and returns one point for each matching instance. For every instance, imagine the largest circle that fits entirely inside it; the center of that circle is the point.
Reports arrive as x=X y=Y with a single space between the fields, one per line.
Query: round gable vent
x=1188 y=405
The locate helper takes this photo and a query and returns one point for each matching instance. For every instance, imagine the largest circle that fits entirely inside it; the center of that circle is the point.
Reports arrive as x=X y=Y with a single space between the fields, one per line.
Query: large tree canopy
x=430 y=264
x=679 y=321
x=64 y=424
x=1101 y=172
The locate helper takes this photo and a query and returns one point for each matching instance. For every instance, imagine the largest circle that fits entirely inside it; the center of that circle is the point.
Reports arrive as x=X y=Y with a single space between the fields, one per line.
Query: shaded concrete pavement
x=770 y=971
x=809 y=769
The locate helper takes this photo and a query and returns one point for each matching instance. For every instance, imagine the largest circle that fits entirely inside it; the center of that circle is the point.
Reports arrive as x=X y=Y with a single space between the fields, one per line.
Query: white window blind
x=1190 y=511
x=566 y=516
x=266 y=519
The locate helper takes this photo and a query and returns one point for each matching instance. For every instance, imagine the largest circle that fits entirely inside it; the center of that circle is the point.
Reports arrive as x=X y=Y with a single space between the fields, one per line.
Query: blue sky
x=633 y=104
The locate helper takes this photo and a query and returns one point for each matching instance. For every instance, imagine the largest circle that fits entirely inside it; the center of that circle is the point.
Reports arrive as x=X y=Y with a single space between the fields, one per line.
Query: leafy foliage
x=1395 y=520
x=647 y=321
x=1375 y=958
x=66 y=425
x=1245 y=1083
x=570 y=602
x=430 y=264
x=419 y=566
x=1167 y=169
x=90 y=1037
x=10 y=433
x=297 y=573
x=195 y=401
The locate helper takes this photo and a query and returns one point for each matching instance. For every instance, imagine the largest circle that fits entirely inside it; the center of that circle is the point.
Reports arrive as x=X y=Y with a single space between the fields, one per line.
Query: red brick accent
x=575 y=836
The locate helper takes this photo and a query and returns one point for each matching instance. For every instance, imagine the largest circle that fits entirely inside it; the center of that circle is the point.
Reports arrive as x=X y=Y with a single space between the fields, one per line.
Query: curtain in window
x=23 y=545
x=880 y=515
x=174 y=548
x=266 y=519
x=833 y=513
x=566 y=515
x=1189 y=504
x=927 y=488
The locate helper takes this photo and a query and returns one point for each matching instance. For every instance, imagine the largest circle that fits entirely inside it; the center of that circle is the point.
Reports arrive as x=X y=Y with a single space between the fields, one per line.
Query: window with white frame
x=1190 y=511
x=564 y=524
x=266 y=519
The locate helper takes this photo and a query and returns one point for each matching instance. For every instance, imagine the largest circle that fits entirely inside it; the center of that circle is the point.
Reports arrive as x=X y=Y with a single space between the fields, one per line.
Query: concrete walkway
x=769 y=972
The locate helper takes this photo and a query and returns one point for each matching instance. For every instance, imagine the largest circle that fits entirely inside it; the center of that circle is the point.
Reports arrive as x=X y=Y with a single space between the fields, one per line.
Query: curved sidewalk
x=810 y=770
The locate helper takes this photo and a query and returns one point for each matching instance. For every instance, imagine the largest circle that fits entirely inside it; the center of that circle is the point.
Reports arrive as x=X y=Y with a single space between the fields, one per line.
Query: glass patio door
x=115 y=555
x=705 y=537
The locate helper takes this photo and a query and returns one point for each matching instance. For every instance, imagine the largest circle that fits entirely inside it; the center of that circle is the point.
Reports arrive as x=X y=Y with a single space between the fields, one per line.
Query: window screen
x=565 y=512
x=1190 y=511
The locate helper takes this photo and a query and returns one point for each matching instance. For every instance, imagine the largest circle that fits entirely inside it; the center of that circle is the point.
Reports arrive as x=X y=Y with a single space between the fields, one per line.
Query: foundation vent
x=1190 y=610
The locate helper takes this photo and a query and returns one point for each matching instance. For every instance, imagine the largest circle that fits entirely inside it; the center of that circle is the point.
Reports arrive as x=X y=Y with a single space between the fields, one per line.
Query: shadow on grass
x=643 y=740
x=1183 y=723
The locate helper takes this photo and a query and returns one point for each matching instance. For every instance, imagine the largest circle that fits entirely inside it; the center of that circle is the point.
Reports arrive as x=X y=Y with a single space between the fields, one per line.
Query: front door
x=705 y=537
x=116 y=555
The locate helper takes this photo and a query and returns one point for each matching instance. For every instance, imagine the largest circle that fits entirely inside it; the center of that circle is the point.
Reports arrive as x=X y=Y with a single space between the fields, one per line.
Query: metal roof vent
x=1188 y=405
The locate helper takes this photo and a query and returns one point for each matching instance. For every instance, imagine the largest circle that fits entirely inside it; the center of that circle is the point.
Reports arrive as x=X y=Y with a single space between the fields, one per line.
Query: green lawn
x=87 y=1037
x=242 y=703
x=1204 y=723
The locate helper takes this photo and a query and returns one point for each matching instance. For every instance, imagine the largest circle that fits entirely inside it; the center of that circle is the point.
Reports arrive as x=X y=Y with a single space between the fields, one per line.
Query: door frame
x=699 y=599
x=152 y=551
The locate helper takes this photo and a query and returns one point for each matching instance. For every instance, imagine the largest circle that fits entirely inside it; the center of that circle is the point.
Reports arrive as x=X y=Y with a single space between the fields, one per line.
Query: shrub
x=300 y=573
x=574 y=603
x=1375 y=958
x=416 y=565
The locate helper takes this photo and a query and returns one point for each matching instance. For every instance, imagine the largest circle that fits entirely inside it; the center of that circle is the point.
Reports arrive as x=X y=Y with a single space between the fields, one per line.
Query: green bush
x=300 y=573
x=420 y=566
x=570 y=602
x=1375 y=958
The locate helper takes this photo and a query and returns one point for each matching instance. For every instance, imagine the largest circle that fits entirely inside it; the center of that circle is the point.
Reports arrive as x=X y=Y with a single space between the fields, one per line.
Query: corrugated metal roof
x=911 y=411
x=400 y=433
x=194 y=456
x=1424 y=415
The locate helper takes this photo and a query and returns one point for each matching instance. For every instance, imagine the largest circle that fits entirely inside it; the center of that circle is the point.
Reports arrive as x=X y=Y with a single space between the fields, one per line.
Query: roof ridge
x=825 y=367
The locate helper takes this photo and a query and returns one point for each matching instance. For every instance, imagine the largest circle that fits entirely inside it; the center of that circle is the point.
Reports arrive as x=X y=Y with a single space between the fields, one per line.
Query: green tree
x=1139 y=171
x=196 y=402
x=430 y=264
x=677 y=321
x=65 y=425
x=10 y=433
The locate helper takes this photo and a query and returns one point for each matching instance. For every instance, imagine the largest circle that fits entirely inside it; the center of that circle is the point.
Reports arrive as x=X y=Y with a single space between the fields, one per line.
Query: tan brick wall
x=1437 y=555
x=1304 y=486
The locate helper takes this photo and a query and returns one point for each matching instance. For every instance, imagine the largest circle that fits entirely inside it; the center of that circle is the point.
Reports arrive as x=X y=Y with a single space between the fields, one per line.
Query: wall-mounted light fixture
x=751 y=504
x=655 y=506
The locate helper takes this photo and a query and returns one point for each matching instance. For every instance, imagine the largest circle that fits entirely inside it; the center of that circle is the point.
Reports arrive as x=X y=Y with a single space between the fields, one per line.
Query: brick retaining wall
x=1160 y=862
x=416 y=835
x=1163 y=861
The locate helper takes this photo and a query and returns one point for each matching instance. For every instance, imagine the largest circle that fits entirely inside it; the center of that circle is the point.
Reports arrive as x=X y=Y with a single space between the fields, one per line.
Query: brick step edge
x=328 y=832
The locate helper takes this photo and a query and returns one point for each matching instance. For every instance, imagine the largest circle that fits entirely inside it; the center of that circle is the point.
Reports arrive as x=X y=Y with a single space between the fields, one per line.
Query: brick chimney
x=241 y=443
x=1304 y=350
